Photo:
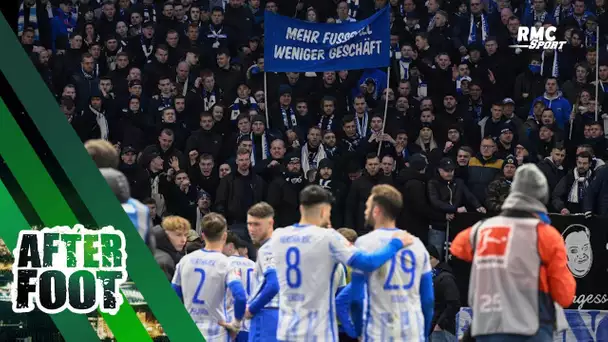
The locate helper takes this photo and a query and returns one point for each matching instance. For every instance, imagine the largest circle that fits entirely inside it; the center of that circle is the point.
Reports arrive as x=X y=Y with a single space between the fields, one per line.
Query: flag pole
x=597 y=72
x=266 y=101
x=388 y=80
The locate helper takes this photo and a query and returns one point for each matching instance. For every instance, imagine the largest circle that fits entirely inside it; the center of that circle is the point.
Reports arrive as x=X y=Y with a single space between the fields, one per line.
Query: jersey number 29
x=407 y=263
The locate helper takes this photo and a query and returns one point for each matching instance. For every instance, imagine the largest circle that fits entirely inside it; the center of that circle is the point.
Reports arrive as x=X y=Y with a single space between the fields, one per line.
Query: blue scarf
x=241 y=106
x=289 y=120
x=555 y=67
x=404 y=65
x=32 y=20
x=561 y=12
x=209 y=99
x=590 y=38
x=485 y=29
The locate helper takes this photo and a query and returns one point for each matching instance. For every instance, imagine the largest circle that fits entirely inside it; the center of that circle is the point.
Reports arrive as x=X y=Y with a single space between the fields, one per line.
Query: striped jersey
x=264 y=263
x=204 y=276
x=245 y=268
x=139 y=214
x=392 y=307
x=307 y=261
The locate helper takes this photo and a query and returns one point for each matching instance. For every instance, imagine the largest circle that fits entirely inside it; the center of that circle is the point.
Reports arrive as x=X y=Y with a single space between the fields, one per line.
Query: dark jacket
x=551 y=172
x=417 y=212
x=165 y=254
x=498 y=190
x=447 y=298
x=283 y=196
x=596 y=199
x=355 y=201
x=236 y=193
x=561 y=192
x=481 y=173
x=447 y=197
x=205 y=142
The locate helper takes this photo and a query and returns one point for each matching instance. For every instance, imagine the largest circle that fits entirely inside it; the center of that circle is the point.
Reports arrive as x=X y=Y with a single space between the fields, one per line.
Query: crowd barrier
x=583 y=325
x=586 y=247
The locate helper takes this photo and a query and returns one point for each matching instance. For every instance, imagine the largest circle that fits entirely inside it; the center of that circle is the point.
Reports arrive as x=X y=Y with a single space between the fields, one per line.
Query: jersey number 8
x=294 y=275
x=407 y=262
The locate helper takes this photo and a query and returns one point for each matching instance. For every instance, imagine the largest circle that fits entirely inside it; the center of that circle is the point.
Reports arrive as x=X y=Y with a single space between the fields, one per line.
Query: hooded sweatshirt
x=559 y=104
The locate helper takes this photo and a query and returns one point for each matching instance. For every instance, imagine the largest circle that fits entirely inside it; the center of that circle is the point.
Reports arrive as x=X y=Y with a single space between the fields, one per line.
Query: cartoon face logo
x=578 y=249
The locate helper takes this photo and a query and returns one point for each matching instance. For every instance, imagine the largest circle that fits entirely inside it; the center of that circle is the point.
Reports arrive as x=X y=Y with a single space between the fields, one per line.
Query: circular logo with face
x=578 y=249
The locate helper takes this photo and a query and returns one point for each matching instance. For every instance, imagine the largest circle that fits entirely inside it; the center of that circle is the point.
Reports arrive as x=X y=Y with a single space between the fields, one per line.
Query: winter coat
x=481 y=173
x=559 y=104
x=497 y=193
x=236 y=193
x=447 y=197
x=417 y=212
x=355 y=201
x=596 y=199
x=447 y=298
x=283 y=196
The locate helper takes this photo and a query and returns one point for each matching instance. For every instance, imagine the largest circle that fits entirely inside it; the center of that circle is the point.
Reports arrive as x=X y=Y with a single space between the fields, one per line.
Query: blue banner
x=299 y=46
x=583 y=325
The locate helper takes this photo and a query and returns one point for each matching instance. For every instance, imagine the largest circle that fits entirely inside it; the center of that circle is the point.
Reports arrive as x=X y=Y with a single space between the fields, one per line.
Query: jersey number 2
x=199 y=287
x=410 y=270
x=294 y=275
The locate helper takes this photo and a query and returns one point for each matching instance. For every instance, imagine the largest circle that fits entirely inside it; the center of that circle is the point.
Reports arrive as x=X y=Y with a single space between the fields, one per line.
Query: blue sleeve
x=368 y=262
x=357 y=294
x=240 y=298
x=343 y=303
x=270 y=288
x=427 y=299
x=178 y=290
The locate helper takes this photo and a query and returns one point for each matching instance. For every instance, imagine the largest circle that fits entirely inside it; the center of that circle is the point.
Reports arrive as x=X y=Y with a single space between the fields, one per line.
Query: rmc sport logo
x=538 y=38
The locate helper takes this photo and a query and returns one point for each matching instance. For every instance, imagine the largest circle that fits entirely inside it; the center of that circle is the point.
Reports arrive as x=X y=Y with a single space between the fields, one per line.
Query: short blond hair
x=349 y=234
x=388 y=198
x=176 y=224
x=103 y=153
x=261 y=210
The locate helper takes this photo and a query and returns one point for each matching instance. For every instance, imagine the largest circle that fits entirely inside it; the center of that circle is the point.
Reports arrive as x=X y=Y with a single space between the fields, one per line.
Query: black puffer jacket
x=447 y=197
x=447 y=298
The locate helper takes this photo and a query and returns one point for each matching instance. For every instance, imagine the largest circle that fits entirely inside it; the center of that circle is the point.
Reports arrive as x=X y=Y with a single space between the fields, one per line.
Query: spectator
x=596 y=199
x=552 y=166
x=554 y=99
x=447 y=298
x=329 y=181
x=359 y=192
x=450 y=196
x=284 y=190
x=569 y=194
x=483 y=169
x=239 y=190
x=417 y=213
x=498 y=190
x=171 y=237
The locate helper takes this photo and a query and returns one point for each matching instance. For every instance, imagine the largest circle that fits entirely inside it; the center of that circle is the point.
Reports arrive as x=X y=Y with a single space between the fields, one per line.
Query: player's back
x=306 y=263
x=244 y=267
x=393 y=309
x=203 y=276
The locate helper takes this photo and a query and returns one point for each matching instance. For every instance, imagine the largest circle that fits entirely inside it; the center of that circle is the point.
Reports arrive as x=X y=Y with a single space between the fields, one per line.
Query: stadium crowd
x=178 y=88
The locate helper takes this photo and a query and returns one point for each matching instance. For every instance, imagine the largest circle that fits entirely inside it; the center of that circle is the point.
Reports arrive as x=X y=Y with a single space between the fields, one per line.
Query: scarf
x=265 y=150
x=362 y=126
x=309 y=164
x=404 y=68
x=351 y=143
x=209 y=99
x=241 y=105
x=156 y=195
x=590 y=38
x=431 y=23
x=217 y=35
x=554 y=69
x=579 y=187
x=353 y=7
x=561 y=12
x=484 y=29
x=199 y=220
x=289 y=120
x=32 y=20
x=325 y=183
x=326 y=126
x=539 y=17
x=100 y=117
x=150 y=13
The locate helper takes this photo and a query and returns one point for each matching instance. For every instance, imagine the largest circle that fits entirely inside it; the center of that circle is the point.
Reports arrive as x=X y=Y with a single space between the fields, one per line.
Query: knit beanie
x=529 y=190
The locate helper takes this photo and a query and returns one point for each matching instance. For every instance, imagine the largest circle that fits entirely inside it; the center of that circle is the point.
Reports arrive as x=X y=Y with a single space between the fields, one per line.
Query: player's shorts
x=243 y=336
x=263 y=326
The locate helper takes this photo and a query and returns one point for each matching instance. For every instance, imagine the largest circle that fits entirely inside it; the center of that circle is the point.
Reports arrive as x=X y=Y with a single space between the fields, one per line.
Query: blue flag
x=299 y=46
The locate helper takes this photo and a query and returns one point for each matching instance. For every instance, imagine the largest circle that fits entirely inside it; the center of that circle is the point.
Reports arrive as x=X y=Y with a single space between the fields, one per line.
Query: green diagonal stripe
x=73 y=328
x=92 y=188
x=52 y=208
